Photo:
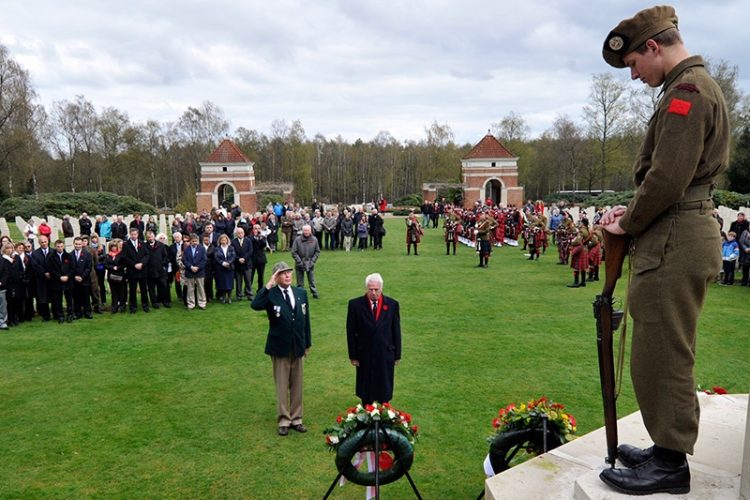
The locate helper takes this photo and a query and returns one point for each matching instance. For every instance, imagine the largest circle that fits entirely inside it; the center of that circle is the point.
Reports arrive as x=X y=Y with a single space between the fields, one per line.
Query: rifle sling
x=620 y=362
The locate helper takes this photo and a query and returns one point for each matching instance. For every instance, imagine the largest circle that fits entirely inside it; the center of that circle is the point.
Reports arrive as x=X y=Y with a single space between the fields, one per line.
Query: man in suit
x=156 y=271
x=137 y=223
x=81 y=280
x=135 y=258
x=243 y=251
x=373 y=334
x=194 y=259
x=172 y=251
x=288 y=343
x=119 y=229
x=42 y=277
x=60 y=266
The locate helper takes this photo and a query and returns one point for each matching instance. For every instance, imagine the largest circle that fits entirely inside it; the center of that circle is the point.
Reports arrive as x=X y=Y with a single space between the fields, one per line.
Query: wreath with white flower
x=354 y=432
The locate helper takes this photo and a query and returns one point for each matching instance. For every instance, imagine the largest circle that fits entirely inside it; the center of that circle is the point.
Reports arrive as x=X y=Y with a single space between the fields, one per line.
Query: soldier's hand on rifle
x=612 y=214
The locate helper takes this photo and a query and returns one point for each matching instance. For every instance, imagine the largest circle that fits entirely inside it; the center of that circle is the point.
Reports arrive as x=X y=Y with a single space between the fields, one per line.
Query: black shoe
x=88 y=316
x=61 y=320
x=146 y=309
x=299 y=428
x=316 y=296
x=283 y=431
x=155 y=306
x=654 y=476
x=98 y=310
x=574 y=285
x=133 y=311
x=115 y=309
x=69 y=319
x=167 y=305
x=632 y=457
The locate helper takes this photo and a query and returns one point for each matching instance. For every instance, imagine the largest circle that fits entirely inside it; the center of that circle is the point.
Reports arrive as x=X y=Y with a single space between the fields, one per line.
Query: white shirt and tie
x=288 y=297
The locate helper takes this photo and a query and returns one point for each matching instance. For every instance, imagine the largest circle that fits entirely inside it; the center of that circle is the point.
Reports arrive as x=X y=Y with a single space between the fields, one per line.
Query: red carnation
x=496 y=423
x=414 y=429
x=719 y=390
x=369 y=407
x=339 y=419
x=385 y=461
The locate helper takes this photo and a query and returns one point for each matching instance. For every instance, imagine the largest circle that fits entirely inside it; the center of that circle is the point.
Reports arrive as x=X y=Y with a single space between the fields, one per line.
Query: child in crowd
x=730 y=252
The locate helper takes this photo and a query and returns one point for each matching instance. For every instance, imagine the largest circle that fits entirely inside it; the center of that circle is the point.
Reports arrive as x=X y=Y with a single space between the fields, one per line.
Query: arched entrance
x=226 y=195
x=493 y=190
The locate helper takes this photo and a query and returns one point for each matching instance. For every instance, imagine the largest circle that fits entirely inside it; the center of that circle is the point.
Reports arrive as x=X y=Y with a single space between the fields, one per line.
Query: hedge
x=59 y=204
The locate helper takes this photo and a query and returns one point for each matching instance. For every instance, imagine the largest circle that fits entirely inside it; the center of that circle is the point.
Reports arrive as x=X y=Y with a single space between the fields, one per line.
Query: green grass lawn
x=178 y=404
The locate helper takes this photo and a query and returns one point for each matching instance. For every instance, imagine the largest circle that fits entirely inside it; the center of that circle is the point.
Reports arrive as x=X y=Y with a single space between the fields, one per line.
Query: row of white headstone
x=163 y=224
x=164 y=221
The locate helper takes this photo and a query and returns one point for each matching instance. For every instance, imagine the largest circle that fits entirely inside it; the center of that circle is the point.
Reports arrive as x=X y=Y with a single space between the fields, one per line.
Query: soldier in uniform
x=595 y=256
x=452 y=227
x=579 y=259
x=485 y=226
x=677 y=242
x=414 y=233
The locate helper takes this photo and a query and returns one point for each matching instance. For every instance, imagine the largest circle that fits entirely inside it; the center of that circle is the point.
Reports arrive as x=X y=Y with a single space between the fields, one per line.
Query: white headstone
x=76 y=226
x=4 y=229
x=20 y=224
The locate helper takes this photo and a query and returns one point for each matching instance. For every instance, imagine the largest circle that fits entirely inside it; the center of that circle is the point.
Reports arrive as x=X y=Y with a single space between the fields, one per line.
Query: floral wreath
x=364 y=417
x=355 y=432
x=521 y=428
x=529 y=416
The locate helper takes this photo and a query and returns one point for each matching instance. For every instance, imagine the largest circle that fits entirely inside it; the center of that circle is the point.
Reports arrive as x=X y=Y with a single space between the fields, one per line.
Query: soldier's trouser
x=675 y=260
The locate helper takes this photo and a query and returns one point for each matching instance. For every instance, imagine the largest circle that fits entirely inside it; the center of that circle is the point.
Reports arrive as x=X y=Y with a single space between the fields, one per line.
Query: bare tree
x=512 y=128
x=606 y=115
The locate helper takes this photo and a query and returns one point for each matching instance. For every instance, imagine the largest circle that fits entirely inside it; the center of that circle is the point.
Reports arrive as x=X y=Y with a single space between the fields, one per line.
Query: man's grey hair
x=374 y=278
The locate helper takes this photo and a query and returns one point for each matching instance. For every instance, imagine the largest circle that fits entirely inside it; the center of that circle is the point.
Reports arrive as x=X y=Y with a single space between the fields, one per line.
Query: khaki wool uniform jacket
x=677 y=248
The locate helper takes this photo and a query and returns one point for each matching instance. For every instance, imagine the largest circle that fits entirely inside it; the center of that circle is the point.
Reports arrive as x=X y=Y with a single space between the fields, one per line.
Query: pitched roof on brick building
x=488 y=147
x=227 y=152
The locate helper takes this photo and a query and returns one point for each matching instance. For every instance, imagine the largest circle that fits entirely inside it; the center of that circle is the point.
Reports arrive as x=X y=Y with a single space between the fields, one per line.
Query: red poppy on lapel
x=385 y=307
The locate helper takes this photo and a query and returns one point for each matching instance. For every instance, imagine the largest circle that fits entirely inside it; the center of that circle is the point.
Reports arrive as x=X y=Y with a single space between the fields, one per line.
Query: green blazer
x=288 y=331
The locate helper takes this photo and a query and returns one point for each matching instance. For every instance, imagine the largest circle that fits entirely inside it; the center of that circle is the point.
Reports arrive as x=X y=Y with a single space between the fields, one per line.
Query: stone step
x=572 y=470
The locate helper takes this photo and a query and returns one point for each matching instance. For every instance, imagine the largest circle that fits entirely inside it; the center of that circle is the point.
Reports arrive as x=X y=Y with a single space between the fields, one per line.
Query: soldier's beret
x=633 y=32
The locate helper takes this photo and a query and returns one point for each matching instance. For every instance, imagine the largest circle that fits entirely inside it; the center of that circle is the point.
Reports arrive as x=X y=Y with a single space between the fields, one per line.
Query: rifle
x=607 y=321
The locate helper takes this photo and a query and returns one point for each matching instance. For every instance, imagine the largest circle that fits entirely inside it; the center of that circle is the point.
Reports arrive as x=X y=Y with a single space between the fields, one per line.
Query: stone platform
x=572 y=470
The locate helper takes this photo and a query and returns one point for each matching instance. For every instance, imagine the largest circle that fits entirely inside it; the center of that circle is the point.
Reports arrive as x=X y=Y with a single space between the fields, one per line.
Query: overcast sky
x=349 y=67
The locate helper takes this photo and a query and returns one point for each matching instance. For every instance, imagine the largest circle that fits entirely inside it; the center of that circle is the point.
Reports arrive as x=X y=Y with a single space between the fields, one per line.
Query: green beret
x=634 y=32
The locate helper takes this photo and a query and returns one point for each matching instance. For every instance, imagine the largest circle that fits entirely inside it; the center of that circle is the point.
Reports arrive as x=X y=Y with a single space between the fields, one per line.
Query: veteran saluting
x=288 y=343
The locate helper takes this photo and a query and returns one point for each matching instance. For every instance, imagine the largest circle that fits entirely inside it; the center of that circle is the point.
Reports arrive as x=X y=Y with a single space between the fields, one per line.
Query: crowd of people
x=211 y=256
x=221 y=255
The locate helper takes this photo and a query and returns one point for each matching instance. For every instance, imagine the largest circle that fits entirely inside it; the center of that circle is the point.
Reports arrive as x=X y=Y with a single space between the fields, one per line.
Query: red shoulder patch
x=680 y=107
x=688 y=87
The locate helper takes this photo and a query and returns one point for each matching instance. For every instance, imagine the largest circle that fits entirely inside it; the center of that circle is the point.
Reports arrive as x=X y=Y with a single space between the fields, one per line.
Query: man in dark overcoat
x=288 y=343
x=135 y=257
x=81 y=280
x=60 y=266
x=373 y=335
x=42 y=277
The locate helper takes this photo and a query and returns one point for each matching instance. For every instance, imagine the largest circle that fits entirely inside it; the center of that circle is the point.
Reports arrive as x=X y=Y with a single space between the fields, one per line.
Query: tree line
x=72 y=147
